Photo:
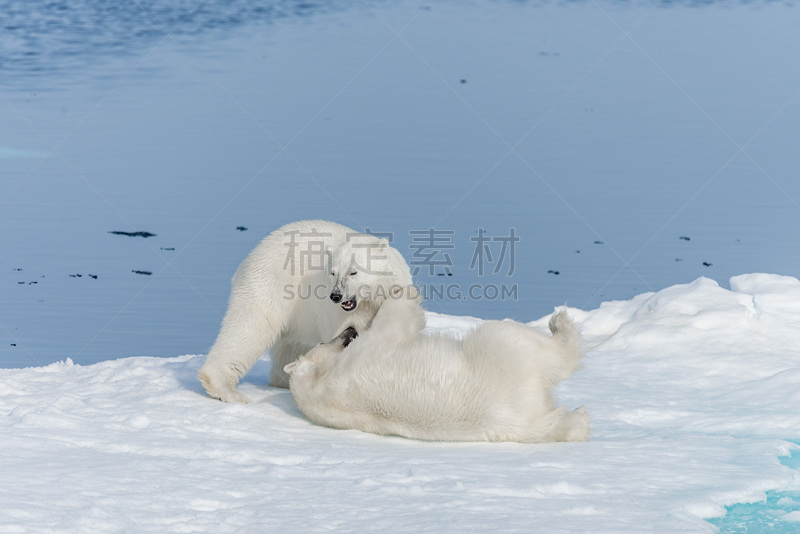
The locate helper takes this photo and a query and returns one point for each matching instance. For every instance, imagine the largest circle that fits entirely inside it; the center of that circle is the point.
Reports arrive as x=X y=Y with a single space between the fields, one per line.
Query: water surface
x=629 y=146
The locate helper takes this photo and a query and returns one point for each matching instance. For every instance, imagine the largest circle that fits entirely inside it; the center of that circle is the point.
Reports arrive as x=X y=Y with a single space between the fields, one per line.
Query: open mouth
x=350 y=305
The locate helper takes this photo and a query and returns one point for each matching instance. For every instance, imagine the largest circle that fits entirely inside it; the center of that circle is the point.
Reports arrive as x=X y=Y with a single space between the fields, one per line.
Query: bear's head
x=320 y=353
x=367 y=269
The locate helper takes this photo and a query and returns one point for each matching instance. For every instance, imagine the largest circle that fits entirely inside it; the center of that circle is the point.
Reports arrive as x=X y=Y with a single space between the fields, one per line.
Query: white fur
x=280 y=299
x=494 y=385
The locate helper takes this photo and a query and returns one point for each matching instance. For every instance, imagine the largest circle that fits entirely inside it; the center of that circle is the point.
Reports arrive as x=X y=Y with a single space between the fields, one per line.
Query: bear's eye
x=353 y=273
x=333 y=273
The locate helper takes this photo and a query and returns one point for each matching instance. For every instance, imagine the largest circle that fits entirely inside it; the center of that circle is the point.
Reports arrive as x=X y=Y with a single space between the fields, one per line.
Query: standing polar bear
x=301 y=285
x=494 y=385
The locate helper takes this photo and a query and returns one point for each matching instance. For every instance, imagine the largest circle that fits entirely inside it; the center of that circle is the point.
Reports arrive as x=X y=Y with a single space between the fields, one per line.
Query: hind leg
x=246 y=333
x=571 y=426
x=565 y=346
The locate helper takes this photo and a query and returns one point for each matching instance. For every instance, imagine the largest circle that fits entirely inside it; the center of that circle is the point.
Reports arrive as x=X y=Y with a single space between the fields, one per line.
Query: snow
x=692 y=391
x=792 y=516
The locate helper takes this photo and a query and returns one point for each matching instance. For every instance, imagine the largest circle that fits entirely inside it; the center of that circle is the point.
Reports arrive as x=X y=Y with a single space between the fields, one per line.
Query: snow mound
x=692 y=391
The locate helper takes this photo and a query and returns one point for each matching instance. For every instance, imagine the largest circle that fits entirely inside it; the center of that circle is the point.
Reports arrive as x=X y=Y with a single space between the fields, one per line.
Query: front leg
x=320 y=353
x=348 y=336
x=399 y=320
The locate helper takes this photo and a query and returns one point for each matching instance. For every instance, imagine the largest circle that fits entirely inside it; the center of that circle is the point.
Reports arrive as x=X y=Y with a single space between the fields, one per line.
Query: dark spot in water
x=577 y=252
x=598 y=243
x=678 y=259
x=132 y=234
x=685 y=238
x=241 y=228
x=554 y=272
x=463 y=81
x=707 y=264
x=146 y=273
x=93 y=276
x=13 y=344
x=167 y=248
x=18 y=270
x=75 y=275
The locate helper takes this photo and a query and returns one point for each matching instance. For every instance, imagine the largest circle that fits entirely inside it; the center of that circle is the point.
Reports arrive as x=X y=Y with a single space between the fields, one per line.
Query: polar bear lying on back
x=494 y=385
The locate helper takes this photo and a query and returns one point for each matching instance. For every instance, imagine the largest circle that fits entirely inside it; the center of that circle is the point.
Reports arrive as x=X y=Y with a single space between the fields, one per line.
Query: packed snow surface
x=692 y=391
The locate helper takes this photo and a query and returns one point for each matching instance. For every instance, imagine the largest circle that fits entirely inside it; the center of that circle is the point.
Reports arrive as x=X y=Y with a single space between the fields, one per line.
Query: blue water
x=627 y=146
x=766 y=516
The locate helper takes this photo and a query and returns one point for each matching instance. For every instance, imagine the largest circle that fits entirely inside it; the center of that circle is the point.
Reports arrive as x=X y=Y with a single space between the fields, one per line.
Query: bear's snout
x=336 y=295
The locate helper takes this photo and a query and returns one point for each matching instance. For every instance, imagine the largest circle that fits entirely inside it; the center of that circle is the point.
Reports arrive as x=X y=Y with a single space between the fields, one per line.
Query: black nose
x=336 y=296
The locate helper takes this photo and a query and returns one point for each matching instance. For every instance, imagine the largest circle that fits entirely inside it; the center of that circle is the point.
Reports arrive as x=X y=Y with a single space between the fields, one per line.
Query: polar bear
x=301 y=285
x=494 y=385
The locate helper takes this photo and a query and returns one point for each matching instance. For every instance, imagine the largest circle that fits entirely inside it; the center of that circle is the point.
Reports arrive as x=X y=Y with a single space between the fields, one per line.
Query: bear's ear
x=383 y=244
x=291 y=368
